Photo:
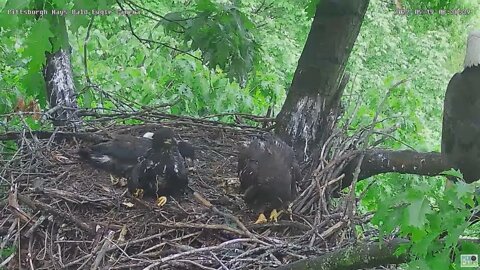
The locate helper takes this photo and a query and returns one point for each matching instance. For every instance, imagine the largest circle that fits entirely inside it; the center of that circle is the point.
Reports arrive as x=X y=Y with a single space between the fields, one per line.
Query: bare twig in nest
x=7 y=260
x=282 y=223
x=181 y=225
x=48 y=209
x=101 y=254
x=75 y=198
x=352 y=202
x=206 y=203
x=34 y=227
x=199 y=250
x=58 y=135
x=13 y=203
x=251 y=117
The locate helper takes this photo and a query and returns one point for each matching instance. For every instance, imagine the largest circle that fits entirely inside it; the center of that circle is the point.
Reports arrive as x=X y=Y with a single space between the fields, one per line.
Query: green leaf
x=417 y=212
x=453 y=172
x=451 y=239
x=439 y=262
x=60 y=4
x=84 y=8
x=311 y=8
x=10 y=20
x=37 y=44
x=206 y=5
x=34 y=85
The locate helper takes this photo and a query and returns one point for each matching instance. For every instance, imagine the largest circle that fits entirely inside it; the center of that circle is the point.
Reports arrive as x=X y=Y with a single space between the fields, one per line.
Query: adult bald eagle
x=268 y=175
x=162 y=171
x=119 y=155
x=461 y=114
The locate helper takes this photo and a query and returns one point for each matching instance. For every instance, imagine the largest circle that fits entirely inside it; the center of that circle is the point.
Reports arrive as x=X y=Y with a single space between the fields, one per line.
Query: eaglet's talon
x=261 y=219
x=138 y=193
x=114 y=180
x=274 y=215
x=161 y=201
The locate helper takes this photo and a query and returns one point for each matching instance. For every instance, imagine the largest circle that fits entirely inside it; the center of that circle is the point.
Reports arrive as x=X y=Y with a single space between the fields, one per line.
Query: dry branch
x=90 y=137
x=39 y=206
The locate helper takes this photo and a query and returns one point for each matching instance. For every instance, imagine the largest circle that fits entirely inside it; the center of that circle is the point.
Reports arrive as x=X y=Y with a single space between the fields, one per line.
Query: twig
x=7 y=260
x=48 y=209
x=206 y=203
x=101 y=254
x=199 y=250
x=32 y=229
x=180 y=225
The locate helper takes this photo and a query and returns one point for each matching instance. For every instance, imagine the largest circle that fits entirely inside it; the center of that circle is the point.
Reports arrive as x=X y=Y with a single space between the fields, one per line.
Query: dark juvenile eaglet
x=186 y=149
x=268 y=175
x=162 y=171
x=461 y=116
x=117 y=156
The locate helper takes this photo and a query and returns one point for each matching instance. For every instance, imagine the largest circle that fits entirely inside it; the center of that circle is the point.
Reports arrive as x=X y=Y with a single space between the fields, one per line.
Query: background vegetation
x=240 y=56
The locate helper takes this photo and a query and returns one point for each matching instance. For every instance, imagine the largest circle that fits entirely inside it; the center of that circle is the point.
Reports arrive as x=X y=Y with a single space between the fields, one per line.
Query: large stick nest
x=60 y=212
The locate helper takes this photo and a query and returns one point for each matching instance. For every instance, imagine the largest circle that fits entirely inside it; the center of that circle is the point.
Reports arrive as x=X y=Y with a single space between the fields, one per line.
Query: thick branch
x=377 y=161
x=359 y=256
x=355 y=257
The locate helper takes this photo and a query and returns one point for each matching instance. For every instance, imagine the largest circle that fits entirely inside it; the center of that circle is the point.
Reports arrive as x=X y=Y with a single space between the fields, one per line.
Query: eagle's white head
x=472 y=57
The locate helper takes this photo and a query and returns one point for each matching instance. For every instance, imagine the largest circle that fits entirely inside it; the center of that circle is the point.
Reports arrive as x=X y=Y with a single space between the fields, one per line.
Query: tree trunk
x=59 y=79
x=312 y=104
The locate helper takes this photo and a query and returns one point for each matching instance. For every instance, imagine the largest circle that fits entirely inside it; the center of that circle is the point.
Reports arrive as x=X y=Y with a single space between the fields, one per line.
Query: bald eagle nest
x=62 y=213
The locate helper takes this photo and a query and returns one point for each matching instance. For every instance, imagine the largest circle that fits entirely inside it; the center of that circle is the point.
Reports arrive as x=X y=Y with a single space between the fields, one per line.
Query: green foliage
x=6 y=252
x=422 y=215
x=389 y=49
x=221 y=32
x=146 y=73
x=454 y=13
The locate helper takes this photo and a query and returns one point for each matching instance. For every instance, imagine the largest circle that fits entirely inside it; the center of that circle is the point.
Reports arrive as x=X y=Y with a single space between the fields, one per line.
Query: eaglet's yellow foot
x=261 y=219
x=161 y=201
x=114 y=180
x=274 y=215
x=138 y=193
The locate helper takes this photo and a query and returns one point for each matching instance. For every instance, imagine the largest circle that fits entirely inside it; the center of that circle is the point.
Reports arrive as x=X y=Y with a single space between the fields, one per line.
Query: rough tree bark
x=377 y=161
x=59 y=77
x=61 y=89
x=364 y=255
x=312 y=104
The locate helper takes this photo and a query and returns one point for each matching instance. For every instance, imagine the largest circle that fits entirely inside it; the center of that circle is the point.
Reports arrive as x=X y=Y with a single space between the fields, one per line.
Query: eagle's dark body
x=461 y=123
x=118 y=156
x=268 y=174
x=461 y=119
x=162 y=171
